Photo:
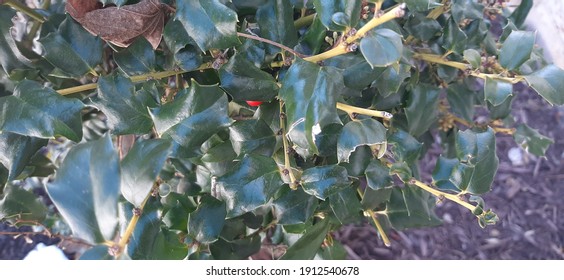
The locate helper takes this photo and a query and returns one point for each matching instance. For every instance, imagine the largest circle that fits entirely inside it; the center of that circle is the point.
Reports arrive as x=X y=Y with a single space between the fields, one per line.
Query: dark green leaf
x=411 y=207
x=337 y=15
x=392 y=78
x=374 y=198
x=422 y=27
x=381 y=47
x=250 y=184
x=346 y=206
x=205 y=224
x=192 y=118
x=72 y=49
x=496 y=91
x=312 y=40
x=276 y=22
x=404 y=146
x=10 y=57
x=186 y=54
x=138 y=58
x=466 y=9
x=548 y=82
x=378 y=175
x=86 y=190
x=309 y=93
x=323 y=181
x=531 y=140
x=477 y=150
x=358 y=133
x=140 y=168
x=501 y=111
x=520 y=14
x=244 y=81
x=516 y=49
x=461 y=100
x=127 y=111
x=239 y=249
x=98 y=252
x=421 y=110
x=18 y=204
x=358 y=161
x=252 y=136
x=306 y=247
x=219 y=159
x=454 y=39
x=420 y=5
x=451 y=175
x=17 y=150
x=210 y=23
x=335 y=251
x=37 y=111
x=294 y=206
x=473 y=57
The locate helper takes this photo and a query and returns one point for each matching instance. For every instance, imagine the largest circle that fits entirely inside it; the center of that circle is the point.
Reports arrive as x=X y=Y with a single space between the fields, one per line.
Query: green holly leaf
x=378 y=175
x=192 y=118
x=276 y=22
x=312 y=40
x=72 y=49
x=454 y=39
x=411 y=207
x=516 y=49
x=473 y=57
x=421 y=110
x=140 y=168
x=244 y=81
x=404 y=146
x=251 y=184
x=138 y=58
x=374 y=198
x=476 y=149
x=451 y=175
x=294 y=206
x=323 y=181
x=16 y=152
x=240 y=249
x=381 y=47
x=337 y=15
x=420 y=5
x=461 y=100
x=422 y=27
x=18 y=204
x=206 y=222
x=186 y=54
x=309 y=93
x=548 y=82
x=210 y=23
x=86 y=190
x=306 y=247
x=531 y=140
x=252 y=136
x=466 y=9
x=45 y=117
x=520 y=13
x=497 y=91
x=10 y=58
x=358 y=133
x=346 y=206
x=127 y=110
x=98 y=252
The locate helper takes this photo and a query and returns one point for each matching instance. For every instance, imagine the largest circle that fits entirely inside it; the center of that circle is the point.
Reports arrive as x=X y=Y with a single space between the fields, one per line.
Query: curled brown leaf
x=121 y=26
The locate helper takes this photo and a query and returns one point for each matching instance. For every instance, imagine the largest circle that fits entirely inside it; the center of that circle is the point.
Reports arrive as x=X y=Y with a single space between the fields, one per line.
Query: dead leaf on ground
x=121 y=26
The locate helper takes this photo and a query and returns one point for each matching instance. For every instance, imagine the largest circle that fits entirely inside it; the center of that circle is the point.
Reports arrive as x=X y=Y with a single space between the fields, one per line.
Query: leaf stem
x=368 y=112
x=442 y=195
x=379 y=228
x=396 y=12
x=433 y=58
x=257 y=38
x=287 y=167
x=132 y=224
x=20 y=7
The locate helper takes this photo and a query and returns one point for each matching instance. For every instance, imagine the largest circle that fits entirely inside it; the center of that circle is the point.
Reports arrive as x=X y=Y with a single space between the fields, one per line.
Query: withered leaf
x=121 y=26
x=78 y=8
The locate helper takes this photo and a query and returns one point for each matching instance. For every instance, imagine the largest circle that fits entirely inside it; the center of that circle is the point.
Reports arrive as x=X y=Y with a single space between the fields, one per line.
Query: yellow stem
x=380 y=229
x=374 y=113
x=287 y=166
x=503 y=130
x=436 y=12
x=338 y=50
x=397 y=12
x=433 y=58
x=441 y=194
x=514 y=80
x=131 y=226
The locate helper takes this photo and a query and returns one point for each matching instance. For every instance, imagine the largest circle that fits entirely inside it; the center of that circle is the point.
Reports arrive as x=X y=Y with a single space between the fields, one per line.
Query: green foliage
x=173 y=164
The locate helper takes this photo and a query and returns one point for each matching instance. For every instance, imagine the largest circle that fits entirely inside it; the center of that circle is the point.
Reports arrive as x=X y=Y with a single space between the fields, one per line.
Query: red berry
x=254 y=103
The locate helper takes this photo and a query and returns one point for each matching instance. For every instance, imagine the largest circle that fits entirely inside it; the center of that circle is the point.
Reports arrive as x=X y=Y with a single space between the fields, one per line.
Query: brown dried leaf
x=78 y=8
x=121 y=26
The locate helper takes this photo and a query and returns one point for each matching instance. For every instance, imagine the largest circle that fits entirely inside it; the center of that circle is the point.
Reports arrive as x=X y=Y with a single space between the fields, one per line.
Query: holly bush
x=202 y=129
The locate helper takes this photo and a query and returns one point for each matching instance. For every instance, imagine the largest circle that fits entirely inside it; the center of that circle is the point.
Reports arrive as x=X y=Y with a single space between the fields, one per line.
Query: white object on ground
x=46 y=253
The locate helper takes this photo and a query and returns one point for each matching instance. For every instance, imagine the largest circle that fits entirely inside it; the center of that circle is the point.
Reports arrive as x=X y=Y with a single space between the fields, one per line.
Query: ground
x=527 y=198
